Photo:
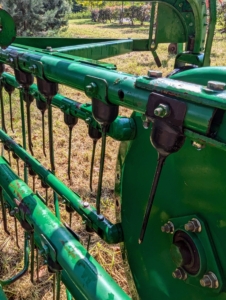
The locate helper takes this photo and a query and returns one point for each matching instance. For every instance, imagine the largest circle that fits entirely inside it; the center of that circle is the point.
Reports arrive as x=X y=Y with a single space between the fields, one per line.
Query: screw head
x=85 y=204
x=91 y=89
x=210 y=280
x=193 y=225
x=49 y=48
x=198 y=146
x=179 y=273
x=216 y=85
x=168 y=227
x=162 y=110
x=155 y=74
x=146 y=124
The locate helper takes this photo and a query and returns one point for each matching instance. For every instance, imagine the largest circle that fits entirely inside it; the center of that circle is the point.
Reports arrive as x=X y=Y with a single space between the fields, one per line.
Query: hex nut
x=155 y=74
x=162 y=110
x=179 y=273
x=193 y=225
x=210 y=280
x=168 y=227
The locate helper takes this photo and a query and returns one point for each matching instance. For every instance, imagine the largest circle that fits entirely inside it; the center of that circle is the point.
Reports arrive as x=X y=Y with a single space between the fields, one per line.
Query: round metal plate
x=7 y=29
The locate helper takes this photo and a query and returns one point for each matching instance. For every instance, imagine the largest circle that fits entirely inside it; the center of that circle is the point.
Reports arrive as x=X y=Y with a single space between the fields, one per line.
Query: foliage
x=76 y=7
x=91 y=3
x=140 y=13
x=85 y=14
x=222 y=17
x=34 y=17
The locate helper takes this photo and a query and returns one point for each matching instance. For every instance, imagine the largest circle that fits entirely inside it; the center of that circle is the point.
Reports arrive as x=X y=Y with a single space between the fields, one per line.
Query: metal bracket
x=177 y=109
x=48 y=248
x=99 y=90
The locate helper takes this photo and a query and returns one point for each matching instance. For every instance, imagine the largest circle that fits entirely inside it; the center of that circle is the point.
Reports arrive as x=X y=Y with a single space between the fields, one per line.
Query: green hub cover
x=7 y=29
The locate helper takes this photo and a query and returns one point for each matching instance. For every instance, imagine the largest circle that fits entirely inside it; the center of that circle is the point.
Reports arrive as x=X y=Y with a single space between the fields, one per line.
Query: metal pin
x=42 y=106
x=95 y=135
x=160 y=163
x=70 y=121
x=37 y=263
x=16 y=232
x=58 y=280
x=4 y=216
x=103 y=148
x=32 y=173
x=29 y=99
x=32 y=243
x=2 y=106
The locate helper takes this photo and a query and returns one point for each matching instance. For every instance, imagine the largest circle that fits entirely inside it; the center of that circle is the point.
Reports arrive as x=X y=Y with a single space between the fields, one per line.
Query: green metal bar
x=136 y=91
x=68 y=252
x=106 y=230
x=2 y=294
x=99 y=50
x=122 y=129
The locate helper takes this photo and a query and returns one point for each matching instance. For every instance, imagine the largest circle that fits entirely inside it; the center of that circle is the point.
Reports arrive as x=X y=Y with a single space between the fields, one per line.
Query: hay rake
x=182 y=195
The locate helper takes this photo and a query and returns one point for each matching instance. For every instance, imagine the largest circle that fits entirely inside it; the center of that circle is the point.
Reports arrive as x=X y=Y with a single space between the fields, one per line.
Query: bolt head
x=168 y=228
x=85 y=204
x=198 y=146
x=193 y=225
x=216 y=86
x=91 y=89
x=49 y=48
x=162 y=111
x=146 y=124
x=179 y=273
x=210 y=280
x=155 y=74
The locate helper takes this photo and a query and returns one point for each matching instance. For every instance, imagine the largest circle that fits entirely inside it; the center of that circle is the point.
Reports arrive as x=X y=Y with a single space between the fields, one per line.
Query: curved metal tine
x=58 y=281
x=2 y=107
x=32 y=242
x=16 y=232
x=92 y=165
x=11 y=111
x=4 y=215
x=69 y=154
x=103 y=149
x=28 y=106
x=161 y=160
x=88 y=242
x=43 y=133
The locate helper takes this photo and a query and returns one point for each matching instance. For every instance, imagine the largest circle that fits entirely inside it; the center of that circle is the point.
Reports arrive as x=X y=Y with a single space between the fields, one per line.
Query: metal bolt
x=88 y=120
x=49 y=48
x=85 y=204
x=14 y=211
x=198 y=146
x=193 y=225
x=146 y=124
x=156 y=74
x=9 y=60
x=33 y=68
x=91 y=88
x=168 y=227
x=210 y=280
x=162 y=110
x=100 y=217
x=179 y=273
x=216 y=85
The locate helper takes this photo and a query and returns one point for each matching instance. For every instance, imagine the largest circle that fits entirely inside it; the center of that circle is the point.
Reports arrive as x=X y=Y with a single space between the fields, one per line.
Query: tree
x=32 y=17
x=91 y=3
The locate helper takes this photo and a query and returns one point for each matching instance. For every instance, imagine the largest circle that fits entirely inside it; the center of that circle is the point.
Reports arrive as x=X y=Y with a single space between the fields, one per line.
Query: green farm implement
x=169 y=181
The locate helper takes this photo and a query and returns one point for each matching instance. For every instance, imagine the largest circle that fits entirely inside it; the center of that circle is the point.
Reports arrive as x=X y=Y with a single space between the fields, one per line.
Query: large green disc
x=7 y=29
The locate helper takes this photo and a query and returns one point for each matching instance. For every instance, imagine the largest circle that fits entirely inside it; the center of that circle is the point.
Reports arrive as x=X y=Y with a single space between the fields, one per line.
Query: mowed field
x=11 y=258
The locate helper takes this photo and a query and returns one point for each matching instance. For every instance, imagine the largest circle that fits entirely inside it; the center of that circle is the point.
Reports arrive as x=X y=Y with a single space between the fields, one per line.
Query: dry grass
x=11 y=260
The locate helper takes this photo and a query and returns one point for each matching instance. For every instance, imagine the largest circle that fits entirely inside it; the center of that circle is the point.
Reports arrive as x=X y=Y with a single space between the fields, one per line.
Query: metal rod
x=16 y=232
x=88 y=242
x=33 y=179
x=37 y=263
x=160 y=163
x=4 y=216
x=43 y=133
x=11 y=111
x=23 y=131
x=54 y=286
x=58 y=280
x=70 y=219
x=32 y=242
x=92 y=165
x=69 y=153
x=103 y=148
x=51 y=146
x=2 y=107
x=28 y=106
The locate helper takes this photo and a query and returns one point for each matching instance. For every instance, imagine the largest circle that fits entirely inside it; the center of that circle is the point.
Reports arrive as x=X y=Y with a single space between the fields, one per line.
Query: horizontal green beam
x=111 y=233
x=135 y=90
x=122 y=129
x=87 y=275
